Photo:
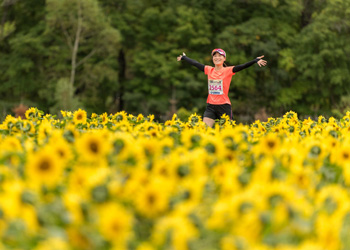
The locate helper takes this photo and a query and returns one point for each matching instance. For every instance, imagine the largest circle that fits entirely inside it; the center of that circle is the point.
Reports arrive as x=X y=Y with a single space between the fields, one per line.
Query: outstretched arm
x=191 y=61
x=258 y=60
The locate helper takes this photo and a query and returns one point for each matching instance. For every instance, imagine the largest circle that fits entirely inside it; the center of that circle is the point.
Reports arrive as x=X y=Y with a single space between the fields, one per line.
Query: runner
x=219 y=80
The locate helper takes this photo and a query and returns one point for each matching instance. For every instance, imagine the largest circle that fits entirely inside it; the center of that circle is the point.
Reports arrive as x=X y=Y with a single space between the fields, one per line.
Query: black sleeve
x=193 y=62
x=243 y=66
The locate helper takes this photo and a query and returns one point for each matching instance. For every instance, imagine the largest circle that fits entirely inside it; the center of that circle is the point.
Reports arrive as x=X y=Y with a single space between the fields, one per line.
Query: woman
x=219 y=80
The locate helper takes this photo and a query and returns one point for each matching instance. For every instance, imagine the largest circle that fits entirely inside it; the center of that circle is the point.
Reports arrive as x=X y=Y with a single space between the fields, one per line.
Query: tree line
x=107 y=55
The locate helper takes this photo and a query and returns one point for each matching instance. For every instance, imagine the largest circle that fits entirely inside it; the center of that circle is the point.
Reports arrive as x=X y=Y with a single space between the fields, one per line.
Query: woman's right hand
x=261 y=62
x=180 y=56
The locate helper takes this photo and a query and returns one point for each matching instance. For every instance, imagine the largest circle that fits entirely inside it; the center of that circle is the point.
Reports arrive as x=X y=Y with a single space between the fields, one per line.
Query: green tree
x=154 y=34
x=21 y=53
x=64 y=97
x=318 y=62
x=88 y=41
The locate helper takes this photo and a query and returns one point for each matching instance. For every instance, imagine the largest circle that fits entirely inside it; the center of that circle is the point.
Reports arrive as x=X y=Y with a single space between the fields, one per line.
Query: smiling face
x=218 y=59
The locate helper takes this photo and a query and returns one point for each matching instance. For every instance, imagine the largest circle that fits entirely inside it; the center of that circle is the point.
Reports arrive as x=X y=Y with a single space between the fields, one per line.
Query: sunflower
x=79 y=117
x=64 y=113
x=28 y=214
x=77 y=237
x=28 y=127
x=93 y=124
x=62 y=148
x=92 y=147
x=333 y=199
x=44 y=167
x=328 y=231
x=194 y=119
x=44 y=131
x=73 y=200
x=9 y=122
x=249 y=227
x=151 y=147
x=140 y=118
x=230 y=242
x=131 y=153
x=32 y=113
x=115 y=223
x=224 y=120
x=104 y=118
x=341 y=153
x=83 y=178
x=11 y=194
x=145 y=246
x=120 y=116
x=168 y=123
x=11 y=144
x=180 y=229
x=150 y=118
x=153 y=199
x=270 y=144
x=226 y=176
x=94 y=116
x=53 y=243
x=191 y=138
x=162 y=168
x=150 y=129
x=301 y=177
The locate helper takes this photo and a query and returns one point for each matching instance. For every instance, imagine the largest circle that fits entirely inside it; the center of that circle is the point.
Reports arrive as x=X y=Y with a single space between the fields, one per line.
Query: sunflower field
x=120 y=182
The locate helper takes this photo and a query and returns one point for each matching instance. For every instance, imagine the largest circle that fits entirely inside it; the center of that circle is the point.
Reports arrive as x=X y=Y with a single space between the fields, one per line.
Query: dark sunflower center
x=301 y=178
x=44 y=165
x=94 y=147
x=230 y=157
x=116 y=226
x=79 y=116
x=163 y=171
x=151 y=199
x=61 y=153
x=346 y=155
x=271 y=144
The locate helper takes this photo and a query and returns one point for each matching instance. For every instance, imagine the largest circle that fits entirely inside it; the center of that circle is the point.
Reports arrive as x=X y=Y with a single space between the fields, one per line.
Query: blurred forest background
x=113 y=55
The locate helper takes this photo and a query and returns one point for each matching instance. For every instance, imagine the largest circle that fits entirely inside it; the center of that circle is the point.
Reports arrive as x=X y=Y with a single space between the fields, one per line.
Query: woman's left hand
x=261 y=62
x=180 y=56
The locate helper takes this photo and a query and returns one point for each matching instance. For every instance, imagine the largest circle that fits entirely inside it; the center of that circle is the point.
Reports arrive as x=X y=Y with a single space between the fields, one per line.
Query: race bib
x=215 y=87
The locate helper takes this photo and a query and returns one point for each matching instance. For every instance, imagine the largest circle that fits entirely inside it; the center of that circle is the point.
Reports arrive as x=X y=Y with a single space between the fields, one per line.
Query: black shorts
x=216 y=111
